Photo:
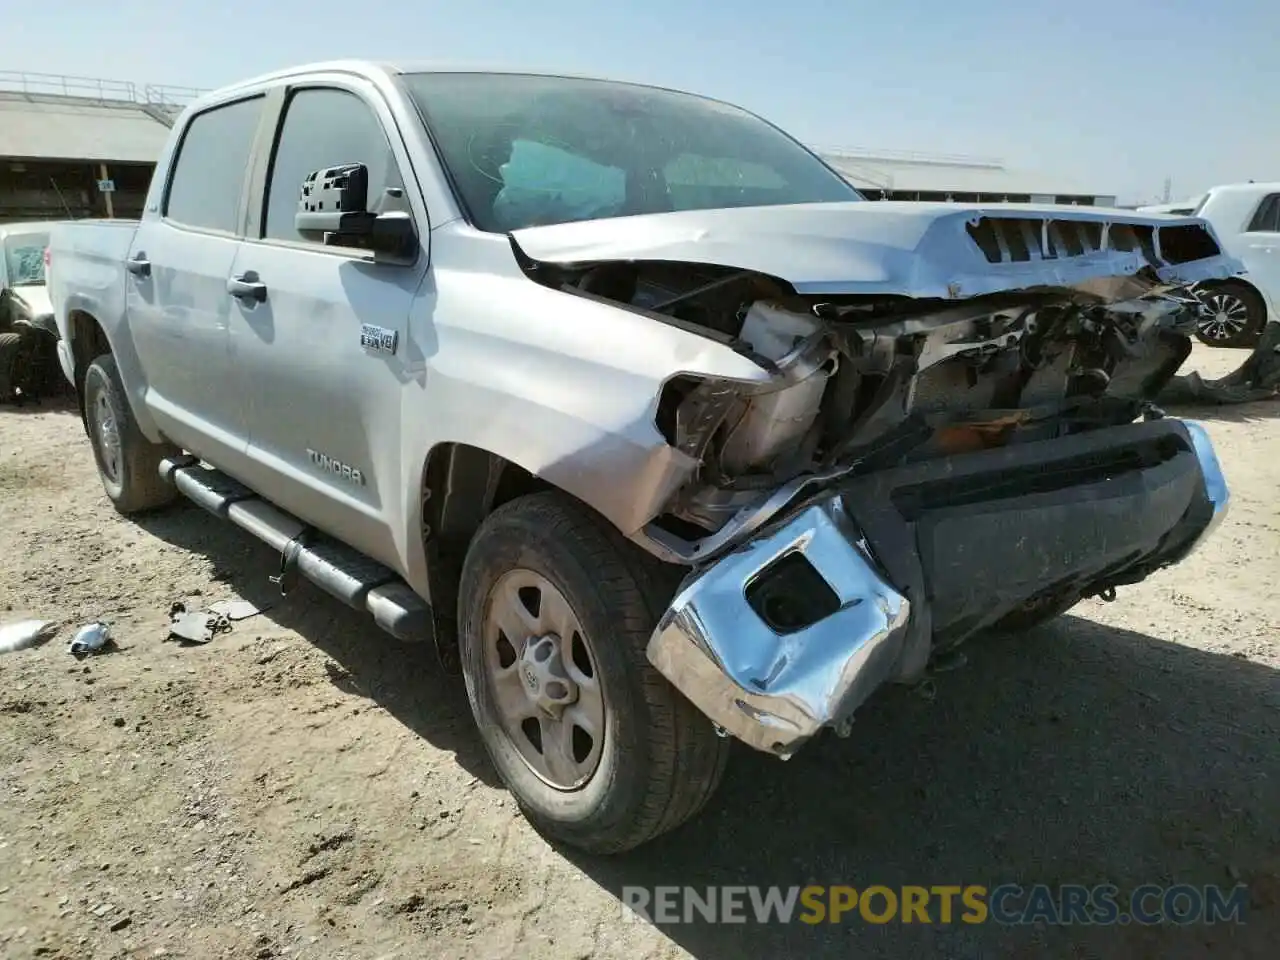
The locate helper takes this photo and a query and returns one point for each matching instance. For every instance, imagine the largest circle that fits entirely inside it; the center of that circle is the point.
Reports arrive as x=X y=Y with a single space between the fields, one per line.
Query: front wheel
x=128 y=463
x=1230 y=315
x=556 y=610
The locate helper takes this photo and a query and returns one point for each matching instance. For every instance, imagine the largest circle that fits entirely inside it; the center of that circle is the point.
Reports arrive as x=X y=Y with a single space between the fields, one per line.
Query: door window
x=324 y=127
x=209 y=170
x=1267 y=217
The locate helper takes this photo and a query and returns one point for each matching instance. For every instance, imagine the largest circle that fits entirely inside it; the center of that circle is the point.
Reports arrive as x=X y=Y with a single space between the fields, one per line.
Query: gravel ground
x=305 y=787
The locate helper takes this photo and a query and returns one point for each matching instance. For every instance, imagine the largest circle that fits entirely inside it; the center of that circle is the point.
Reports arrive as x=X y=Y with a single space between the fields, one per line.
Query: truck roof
x=383 y=70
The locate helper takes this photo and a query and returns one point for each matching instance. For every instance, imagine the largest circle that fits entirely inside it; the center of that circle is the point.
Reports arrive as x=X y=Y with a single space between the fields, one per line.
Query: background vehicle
x=28 y=332
x=632 y=405
x=1246 y=218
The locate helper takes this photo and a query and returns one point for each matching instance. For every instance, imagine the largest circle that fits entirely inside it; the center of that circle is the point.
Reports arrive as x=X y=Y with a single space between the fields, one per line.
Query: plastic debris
x=235 y=609
x=91 y=638
x=25 y=633
x=196 y=626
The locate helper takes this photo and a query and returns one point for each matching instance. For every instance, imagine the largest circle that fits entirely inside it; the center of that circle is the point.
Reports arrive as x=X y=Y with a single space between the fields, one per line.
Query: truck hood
x=922 y=250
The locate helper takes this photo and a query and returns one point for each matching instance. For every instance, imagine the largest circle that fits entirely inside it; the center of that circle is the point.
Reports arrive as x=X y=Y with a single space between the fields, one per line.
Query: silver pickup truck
x=659 y=431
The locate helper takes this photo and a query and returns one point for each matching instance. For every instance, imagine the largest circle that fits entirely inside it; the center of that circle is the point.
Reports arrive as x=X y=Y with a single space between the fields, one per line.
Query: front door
x=176 y=283
x=319 y=341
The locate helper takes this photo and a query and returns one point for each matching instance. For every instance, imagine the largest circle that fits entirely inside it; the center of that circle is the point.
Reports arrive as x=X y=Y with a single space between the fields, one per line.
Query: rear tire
x=128 y=463
x=659 y=759
x=1231 y=315
x=10 y=354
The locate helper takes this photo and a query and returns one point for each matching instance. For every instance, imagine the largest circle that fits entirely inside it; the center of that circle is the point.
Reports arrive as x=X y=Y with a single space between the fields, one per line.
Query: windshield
x=24 y=258
x=528 y=150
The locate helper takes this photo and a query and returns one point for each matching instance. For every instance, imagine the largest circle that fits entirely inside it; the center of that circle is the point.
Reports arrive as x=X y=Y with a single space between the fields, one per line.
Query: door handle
x=138 y=265
x=247 y=286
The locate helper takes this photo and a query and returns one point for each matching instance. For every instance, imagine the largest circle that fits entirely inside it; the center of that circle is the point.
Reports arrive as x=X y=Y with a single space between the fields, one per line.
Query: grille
x=1023 y=239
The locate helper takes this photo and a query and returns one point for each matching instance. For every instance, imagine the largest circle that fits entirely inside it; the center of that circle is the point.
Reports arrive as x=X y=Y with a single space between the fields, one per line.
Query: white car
x=1246 y=219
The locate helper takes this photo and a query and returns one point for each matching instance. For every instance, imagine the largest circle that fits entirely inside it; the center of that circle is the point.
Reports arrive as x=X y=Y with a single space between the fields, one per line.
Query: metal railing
x=909 y=156
x=97 y=89
x=169 y=95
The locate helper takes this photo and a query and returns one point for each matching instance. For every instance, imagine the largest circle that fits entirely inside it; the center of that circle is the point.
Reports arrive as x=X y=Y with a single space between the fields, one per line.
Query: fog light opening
x=790 y=595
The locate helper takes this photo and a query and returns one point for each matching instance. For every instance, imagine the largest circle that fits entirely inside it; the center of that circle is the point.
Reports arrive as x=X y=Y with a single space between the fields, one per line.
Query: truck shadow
x=1076 y=753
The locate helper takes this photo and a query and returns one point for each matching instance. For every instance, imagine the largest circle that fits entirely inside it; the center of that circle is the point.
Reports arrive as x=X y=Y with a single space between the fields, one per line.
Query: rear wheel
x=128 y=463
x=1230 y=315
x=556 y=610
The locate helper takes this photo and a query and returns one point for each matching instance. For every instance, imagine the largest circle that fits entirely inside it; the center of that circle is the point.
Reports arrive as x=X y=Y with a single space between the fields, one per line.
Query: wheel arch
x=1240 y=281
x=88 y=337
x=461 y=485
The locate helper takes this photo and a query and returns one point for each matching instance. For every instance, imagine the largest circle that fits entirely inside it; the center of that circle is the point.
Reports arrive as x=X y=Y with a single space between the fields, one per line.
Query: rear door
x=322 y=359
x=1260 y=247
x=178 y=266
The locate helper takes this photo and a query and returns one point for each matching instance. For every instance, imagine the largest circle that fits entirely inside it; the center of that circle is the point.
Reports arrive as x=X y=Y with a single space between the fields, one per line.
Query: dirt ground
x=305 y=787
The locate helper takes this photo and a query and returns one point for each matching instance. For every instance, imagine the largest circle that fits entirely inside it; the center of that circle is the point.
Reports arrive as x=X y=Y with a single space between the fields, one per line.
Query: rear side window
x=1267 y=217
x=325 y=127
x=213 y=160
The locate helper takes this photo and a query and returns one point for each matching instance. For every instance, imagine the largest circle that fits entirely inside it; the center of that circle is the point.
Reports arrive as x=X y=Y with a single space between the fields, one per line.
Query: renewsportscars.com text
x=1007 y=904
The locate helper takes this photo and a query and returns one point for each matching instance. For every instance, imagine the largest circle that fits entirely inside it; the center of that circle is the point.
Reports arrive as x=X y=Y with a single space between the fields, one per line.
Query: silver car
x=635 y=408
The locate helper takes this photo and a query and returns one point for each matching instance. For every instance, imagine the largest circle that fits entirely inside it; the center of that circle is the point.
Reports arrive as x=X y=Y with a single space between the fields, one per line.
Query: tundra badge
x=378 y=339
x=336 y=467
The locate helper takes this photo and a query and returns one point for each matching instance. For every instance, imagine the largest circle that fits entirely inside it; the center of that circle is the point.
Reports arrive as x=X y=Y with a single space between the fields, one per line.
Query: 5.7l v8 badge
x=378 y=339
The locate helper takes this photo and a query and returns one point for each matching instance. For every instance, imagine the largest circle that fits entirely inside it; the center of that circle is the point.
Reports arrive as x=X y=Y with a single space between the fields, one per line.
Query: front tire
x=1231 y=315
x=128 y=463
x=555 y=613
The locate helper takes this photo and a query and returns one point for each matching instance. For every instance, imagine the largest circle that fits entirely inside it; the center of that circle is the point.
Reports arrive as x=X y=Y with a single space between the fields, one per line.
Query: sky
x=1117 y=95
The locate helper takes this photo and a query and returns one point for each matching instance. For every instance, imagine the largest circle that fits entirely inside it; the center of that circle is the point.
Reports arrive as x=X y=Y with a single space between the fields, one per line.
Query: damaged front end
x=919 y=466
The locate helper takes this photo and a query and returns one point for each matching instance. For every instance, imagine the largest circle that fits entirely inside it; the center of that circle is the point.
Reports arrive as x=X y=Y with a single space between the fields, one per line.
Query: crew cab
x=1246 y=219
x=631 y=405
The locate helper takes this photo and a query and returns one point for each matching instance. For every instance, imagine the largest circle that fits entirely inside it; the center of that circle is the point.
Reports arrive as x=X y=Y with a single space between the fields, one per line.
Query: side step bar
x=348 y=575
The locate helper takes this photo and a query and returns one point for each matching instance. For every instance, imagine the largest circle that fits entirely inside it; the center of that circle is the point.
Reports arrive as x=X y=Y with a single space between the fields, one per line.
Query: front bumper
x=858 y=586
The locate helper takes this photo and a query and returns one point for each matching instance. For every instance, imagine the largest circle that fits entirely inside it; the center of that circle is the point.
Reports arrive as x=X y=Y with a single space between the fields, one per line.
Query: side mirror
x=334 y=208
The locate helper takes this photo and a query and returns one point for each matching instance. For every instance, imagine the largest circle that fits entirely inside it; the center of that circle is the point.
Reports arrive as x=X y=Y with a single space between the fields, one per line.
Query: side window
x=324 y=127
x=1267 y=217
x=209 y=171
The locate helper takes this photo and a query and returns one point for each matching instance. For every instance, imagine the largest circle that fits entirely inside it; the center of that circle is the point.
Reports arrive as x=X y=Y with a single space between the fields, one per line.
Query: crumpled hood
x=924 y=250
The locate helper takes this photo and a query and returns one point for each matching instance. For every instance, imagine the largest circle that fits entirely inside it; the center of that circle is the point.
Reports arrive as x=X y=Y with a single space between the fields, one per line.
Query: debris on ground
x=92 y=638
x=1258 y=378
x=196 y=626
x=235 y=610
x=25 y=633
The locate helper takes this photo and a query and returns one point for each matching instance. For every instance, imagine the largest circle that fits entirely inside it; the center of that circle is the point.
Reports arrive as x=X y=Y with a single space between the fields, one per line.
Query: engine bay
x=863 y=383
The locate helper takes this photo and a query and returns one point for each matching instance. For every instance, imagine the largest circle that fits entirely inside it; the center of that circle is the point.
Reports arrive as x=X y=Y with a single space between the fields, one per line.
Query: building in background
x=886 y=175
x=73 y=147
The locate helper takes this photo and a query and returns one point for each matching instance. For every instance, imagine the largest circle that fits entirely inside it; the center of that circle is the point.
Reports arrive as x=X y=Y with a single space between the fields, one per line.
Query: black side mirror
x=334 y=208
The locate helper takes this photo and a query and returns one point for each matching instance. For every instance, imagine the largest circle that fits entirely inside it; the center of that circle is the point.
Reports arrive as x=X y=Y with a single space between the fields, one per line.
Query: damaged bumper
x=794 y=630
